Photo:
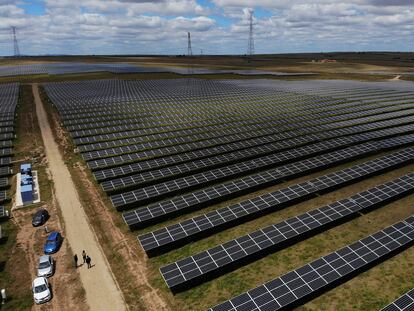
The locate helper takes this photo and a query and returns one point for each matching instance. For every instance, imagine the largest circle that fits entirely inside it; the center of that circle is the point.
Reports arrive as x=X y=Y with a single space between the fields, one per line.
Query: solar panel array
x=190 y=229
x=153 y=212
x=163 y=148
x=235 y=252
x=82 y=67
x=71 y=68
x=9 y=96
x=297 y=285
x=404 y=303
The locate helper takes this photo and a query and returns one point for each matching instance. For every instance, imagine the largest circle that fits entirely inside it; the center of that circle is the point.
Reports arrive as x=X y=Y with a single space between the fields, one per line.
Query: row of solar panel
x=127 y=115
x=168 y=237
x=149 y=100
x=134 y=157
x=135 y=129
x=178 y=140
x=130 y=169
x=234 y=253
x=239 y=155
x=252 y=121
x=111 y=90
x=72 y=97
x=179 y=184
x=307 y=281
x=9 y=95
x=84 y=111
x=202 y=144
x=120 y=117
x=217 y=193
x=218 y=121
x=262 y=104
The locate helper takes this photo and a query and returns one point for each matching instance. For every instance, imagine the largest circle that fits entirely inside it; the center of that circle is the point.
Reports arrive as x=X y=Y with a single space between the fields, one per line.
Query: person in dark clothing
x=84 y=256
x=75 y=260
x=88 y=261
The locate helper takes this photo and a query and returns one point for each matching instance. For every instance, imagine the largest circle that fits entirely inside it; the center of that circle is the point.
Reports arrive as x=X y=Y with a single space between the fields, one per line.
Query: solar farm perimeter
x=256 y=195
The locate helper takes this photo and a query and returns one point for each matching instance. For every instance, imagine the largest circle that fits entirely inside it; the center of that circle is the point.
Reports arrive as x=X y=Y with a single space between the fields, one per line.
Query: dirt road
x=102 y=292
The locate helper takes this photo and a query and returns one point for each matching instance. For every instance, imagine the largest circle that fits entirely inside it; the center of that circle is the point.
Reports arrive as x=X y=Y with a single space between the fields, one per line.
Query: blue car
x=53 y=243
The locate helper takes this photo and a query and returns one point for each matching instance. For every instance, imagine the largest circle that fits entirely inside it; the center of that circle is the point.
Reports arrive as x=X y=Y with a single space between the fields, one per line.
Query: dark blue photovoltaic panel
x=404 y=303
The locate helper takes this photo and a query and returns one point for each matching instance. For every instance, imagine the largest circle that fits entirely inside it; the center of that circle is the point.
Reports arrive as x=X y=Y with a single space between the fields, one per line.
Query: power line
x=250 y=42
x=16 y=45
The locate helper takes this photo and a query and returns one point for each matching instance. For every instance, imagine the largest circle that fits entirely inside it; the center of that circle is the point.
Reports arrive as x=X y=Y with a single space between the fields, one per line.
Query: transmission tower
x=190 y=50
x=250 y=42
x=16 y=45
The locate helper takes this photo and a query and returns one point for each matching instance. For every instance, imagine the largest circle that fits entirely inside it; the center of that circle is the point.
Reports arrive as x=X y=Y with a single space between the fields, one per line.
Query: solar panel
x=5 y=161
x=306 y=282
x=404 y=303
x=4 y=182
x=5 y=171
x=6 y=152
x=3 y=212
x=194 y=269
x=3 y=195
x=168 y=237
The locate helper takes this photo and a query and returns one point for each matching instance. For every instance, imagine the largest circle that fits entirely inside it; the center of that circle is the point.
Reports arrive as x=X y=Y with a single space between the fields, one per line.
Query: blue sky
x=32 y=7
x=216 y=26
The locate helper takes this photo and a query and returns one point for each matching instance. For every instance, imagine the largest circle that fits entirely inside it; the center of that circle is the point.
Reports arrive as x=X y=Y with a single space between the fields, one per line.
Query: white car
x=45 y=267
x=41 y=291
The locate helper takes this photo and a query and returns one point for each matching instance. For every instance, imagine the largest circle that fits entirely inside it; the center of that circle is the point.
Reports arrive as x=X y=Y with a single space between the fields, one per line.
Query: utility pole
x=15 y=44
x=250 y=42
x=190 y=50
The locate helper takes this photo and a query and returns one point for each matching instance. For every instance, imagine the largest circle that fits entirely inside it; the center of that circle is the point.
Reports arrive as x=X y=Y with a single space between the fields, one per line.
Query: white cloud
x=141 y=26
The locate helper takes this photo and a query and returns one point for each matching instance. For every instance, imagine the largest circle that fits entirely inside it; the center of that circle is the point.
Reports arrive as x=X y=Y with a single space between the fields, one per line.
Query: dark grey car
x=40 y=217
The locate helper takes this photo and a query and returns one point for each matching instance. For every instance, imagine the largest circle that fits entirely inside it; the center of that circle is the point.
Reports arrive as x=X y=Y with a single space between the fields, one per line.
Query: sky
x=216 y=26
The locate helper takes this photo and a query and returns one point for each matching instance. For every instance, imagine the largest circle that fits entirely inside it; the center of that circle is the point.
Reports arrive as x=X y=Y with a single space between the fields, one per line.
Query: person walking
x=88 y=261
x=84 y=256
x=75 y=260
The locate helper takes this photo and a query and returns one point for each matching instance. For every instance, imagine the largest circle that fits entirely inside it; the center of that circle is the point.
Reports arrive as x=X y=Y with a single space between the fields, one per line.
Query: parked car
x=46 y=266
x=41 y=290
x=40 y=217
x=53 y=243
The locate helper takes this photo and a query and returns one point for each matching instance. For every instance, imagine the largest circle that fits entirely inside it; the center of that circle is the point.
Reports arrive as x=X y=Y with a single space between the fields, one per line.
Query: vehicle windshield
x=51 y=239
x=44 y=265
x=40 y=288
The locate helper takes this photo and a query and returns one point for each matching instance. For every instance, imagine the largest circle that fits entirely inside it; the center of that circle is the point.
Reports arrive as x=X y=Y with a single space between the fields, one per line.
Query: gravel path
x=102 y=292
